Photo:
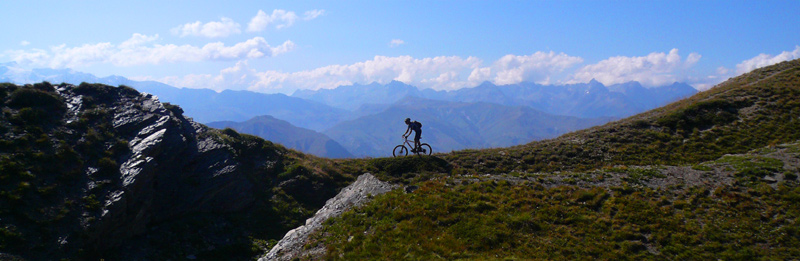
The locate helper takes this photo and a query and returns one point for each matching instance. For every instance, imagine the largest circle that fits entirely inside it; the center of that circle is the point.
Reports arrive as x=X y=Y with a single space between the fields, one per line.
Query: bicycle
x=402 y=150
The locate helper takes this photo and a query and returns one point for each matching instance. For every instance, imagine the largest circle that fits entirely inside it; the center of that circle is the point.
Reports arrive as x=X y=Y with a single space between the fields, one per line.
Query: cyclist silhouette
x=416 y=127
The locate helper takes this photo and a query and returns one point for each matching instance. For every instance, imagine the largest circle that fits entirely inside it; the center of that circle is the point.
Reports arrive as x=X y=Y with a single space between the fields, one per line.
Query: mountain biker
x=417 y=128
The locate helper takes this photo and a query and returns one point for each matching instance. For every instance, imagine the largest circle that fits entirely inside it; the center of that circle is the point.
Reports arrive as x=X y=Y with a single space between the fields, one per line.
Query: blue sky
x=281 y=46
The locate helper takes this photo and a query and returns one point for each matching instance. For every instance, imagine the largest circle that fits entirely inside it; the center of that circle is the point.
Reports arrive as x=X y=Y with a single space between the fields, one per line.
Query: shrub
x=44 y=86
x=30 y=97
x=107 y=167
x=175 y=109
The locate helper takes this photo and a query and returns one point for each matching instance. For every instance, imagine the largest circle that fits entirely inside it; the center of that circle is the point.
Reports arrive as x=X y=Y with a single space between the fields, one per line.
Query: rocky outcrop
x=358 y=193
x=173 y=166
x=128 y=172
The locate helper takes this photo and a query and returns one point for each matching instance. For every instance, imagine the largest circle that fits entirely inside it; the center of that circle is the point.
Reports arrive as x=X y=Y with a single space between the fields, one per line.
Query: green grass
x=751 y=166
x=488 y=220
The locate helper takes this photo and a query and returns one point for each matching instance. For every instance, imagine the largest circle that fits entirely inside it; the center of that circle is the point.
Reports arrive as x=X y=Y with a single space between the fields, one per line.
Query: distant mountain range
x=586 y=100
x=206 y=105
x=283 y=132
x=451 y=126
x=367 y=119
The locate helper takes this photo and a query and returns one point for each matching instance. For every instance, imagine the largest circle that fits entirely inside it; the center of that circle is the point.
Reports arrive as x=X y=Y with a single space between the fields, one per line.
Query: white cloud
x=538 y=67
x=281 y=19
x=239 y=76
x=480 y=74
x=396 y=43
x=425 y=73
x=24 y=43
x=137 y=40
x=440 y=73
x=312 y=14
x=225 y=27
x=140 y=49
x=763 y=60
x=655 y=69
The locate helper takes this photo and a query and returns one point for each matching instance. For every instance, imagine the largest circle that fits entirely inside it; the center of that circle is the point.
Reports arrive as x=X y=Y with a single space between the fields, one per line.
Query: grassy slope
x=721 y=208
x=744 y=113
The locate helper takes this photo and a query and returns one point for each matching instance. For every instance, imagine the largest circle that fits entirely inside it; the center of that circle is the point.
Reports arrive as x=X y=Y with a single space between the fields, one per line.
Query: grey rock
x=358 y=193
x=165 y=150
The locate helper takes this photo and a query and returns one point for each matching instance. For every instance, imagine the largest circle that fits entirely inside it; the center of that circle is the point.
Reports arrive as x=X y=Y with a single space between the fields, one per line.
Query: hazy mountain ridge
x=352 y=97
x=284 y=133
x=209 y=106
x=451 y=126
x=587 y=100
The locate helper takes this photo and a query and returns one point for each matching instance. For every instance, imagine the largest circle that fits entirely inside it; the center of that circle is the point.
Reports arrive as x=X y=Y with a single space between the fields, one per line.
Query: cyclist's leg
x=416 y=140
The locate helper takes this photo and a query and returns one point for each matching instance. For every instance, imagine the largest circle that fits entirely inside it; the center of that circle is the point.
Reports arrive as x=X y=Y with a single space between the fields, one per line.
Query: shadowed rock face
x=141 y=168
x=166 y=152
x=174 y=167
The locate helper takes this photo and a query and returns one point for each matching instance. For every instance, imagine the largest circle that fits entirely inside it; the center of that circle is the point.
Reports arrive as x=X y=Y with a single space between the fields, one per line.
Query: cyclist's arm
x=408 y=131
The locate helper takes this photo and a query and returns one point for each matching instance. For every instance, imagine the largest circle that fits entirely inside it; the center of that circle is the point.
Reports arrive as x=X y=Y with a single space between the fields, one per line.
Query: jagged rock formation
x=93 y=171
x=358 y=193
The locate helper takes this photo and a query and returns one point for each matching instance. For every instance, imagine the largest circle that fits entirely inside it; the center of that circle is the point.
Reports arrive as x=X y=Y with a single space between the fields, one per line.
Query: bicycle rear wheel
x=426 y=149
x=399 y=150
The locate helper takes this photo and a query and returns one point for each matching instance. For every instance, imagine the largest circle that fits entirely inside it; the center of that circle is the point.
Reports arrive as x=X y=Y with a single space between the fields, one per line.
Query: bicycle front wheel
x=426 y=149
x=399 y=150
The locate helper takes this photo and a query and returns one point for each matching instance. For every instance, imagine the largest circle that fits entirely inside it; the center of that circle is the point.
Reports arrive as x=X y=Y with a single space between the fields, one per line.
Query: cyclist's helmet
x=408 y=120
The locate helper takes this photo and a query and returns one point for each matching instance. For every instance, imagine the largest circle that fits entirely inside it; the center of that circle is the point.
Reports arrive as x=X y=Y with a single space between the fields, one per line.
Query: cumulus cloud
x=140 y=49
x=24 y=43
x=240 y=76
x=440 y=73
x=538 y=67
x=280 y=18
x=655 y=69
x=763 y=60
x=396 y=43
x=312 y=14
x=225 y=27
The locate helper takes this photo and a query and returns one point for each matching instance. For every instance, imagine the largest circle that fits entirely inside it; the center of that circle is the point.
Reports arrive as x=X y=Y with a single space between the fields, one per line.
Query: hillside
x=452 y=126
x=713 y=176
x=286 y=134
x=744 y=113
x=93 y=171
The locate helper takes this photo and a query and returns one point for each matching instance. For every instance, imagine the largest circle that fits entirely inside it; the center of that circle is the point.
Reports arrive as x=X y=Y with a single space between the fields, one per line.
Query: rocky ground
x=358 y=193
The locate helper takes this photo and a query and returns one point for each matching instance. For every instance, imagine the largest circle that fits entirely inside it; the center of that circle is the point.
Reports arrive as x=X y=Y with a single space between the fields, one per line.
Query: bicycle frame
x=408 y=145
